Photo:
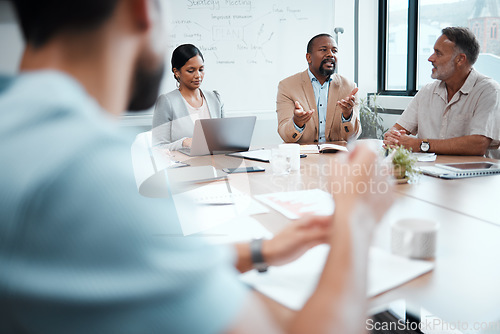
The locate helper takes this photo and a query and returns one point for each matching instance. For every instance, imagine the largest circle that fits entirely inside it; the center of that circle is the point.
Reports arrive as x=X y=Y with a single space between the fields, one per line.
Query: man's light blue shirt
x=80 y=250
x=321 y=96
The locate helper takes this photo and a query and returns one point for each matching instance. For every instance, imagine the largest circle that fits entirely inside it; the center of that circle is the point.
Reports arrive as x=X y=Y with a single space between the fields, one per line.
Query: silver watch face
x=424 y=146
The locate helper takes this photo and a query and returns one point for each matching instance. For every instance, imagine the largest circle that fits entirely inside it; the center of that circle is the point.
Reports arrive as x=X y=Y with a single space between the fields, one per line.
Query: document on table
x=210 y=205
x=424 y=157
x=296 y=204
x=293 y=283
x=239 y=229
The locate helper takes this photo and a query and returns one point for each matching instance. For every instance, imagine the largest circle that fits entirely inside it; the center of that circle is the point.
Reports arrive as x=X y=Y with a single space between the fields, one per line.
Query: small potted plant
x=404 y=164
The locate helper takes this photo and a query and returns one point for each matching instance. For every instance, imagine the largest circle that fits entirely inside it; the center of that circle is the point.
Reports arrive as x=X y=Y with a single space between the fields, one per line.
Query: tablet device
x=462 y=169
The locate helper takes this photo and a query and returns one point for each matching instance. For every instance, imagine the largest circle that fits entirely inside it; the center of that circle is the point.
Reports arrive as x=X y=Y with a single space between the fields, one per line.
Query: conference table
x=464 y=285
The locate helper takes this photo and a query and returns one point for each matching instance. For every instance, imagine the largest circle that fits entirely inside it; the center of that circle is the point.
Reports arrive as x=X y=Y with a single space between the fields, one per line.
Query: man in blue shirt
x=80 y=249
x=318 y=105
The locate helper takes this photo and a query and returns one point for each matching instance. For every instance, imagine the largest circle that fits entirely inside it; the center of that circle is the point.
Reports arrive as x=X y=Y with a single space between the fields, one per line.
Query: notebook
x=461 y=170
x=322 y=148
x=221 y=135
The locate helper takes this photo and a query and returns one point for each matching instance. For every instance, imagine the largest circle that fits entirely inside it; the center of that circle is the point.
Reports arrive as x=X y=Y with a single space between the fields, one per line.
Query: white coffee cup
x=294 y=150
x=414 y=238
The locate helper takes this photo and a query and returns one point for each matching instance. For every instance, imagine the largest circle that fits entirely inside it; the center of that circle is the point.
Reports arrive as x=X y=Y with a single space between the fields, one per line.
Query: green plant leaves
x=371 y=122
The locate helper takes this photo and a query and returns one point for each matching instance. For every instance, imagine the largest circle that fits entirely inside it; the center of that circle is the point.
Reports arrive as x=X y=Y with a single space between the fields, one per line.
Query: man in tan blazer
x=318 y=105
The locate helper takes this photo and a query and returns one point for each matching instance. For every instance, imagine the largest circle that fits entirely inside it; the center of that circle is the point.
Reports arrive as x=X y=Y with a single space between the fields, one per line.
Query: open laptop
x=461 y=170
x=221 y=135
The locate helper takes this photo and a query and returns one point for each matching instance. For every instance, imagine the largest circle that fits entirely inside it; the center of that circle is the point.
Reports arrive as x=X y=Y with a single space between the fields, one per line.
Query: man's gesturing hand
x=300 y=116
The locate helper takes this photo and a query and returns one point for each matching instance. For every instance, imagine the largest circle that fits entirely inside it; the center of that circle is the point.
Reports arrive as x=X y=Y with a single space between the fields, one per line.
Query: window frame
x=412 y=49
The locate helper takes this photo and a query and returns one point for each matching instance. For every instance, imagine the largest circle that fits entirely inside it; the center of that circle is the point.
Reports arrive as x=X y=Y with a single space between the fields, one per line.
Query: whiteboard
x=248 y=45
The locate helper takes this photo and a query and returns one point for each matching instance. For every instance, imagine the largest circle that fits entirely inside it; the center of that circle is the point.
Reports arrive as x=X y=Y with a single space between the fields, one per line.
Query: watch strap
x=256 y=255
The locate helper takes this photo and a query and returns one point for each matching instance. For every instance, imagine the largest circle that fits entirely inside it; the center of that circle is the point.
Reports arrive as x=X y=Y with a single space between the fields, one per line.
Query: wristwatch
x=256 y=255
x=424 y=146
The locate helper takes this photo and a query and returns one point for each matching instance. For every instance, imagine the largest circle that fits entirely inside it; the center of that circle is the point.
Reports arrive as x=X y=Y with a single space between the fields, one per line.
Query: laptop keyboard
x=185 y=150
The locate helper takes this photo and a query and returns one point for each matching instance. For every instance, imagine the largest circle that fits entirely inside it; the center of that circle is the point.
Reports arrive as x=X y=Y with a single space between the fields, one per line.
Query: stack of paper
x=210 y=205
x=293 y=283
